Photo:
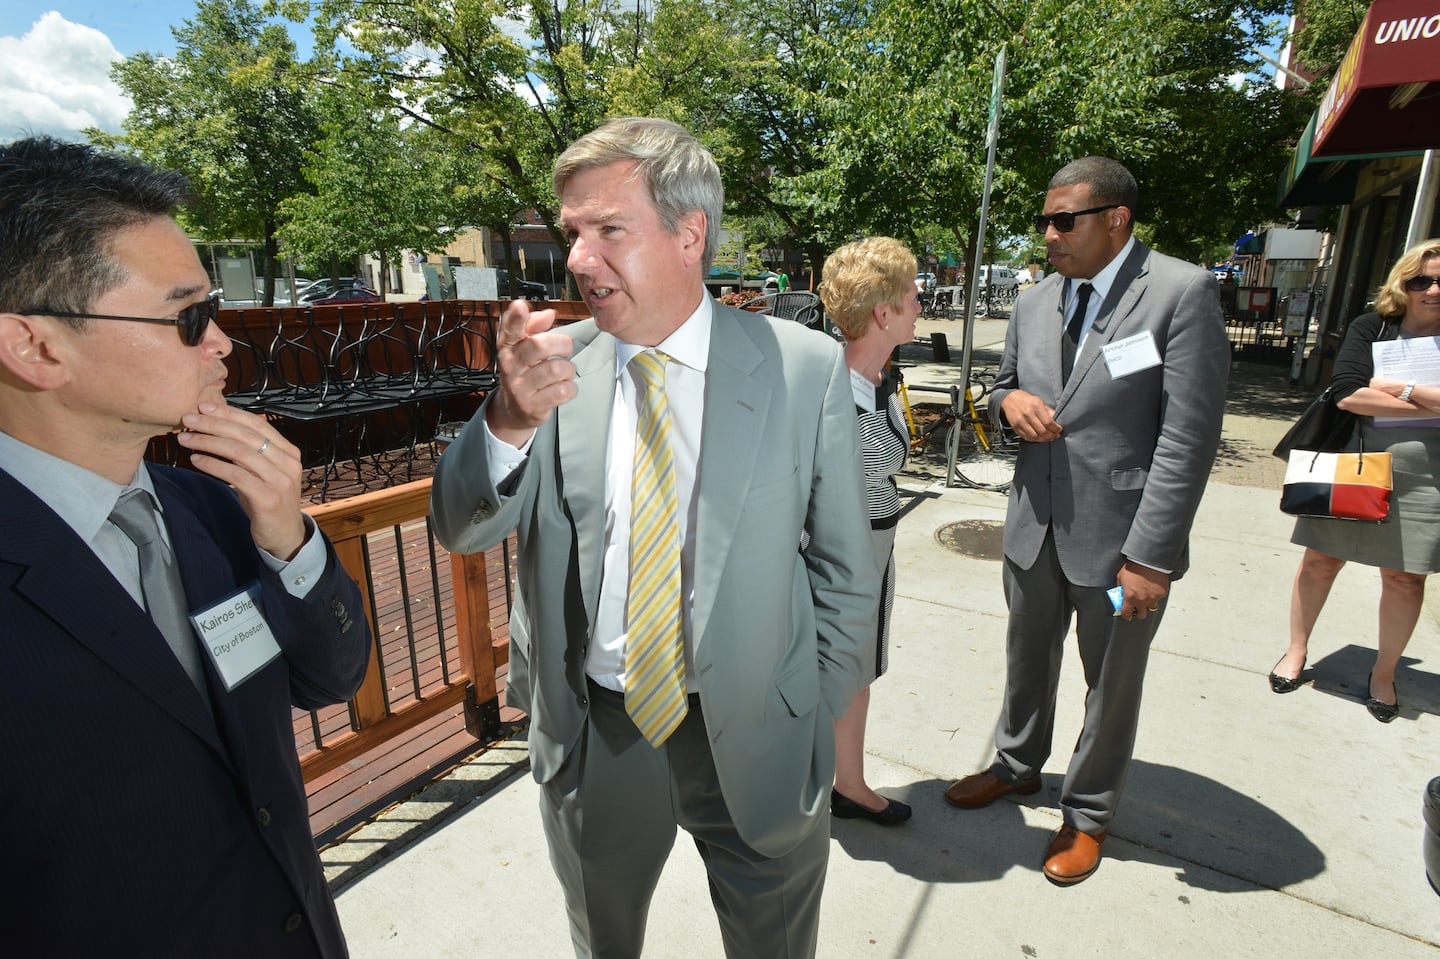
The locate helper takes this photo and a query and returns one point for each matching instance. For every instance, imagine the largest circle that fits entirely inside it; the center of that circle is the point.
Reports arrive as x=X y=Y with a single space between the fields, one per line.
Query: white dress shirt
x=689 y=351
x=1101 y=283
x=84 y=500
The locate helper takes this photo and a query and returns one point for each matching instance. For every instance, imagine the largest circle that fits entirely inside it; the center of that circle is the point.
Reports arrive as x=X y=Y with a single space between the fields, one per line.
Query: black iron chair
x=801 y=306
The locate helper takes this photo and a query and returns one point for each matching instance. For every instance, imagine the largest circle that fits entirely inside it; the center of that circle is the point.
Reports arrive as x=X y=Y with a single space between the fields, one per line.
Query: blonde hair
x=862 y=275
x=1392 y=299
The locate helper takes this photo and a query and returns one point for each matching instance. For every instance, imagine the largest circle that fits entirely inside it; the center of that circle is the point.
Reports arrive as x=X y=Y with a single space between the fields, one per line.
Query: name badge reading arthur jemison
x=236 y=636
x=1131 y=355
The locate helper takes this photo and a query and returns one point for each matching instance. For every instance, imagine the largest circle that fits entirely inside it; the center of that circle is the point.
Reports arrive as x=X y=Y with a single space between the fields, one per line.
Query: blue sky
x=131 y=25
x=55 y=59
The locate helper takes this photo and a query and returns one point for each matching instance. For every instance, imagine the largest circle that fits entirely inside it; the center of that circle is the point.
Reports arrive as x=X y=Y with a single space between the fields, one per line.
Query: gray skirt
x=1409 y=538
x=883 y=556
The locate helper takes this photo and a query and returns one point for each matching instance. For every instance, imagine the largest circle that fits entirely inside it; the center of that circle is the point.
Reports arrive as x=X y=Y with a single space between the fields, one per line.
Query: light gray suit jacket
x=778 y=634
x=1125 y=477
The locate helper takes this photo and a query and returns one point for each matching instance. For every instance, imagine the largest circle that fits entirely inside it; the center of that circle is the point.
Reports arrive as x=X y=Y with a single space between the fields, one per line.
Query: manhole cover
x=980 y=538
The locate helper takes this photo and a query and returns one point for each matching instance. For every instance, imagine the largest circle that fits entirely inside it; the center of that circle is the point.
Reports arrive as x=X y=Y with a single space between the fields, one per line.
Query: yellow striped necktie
x=654 y=650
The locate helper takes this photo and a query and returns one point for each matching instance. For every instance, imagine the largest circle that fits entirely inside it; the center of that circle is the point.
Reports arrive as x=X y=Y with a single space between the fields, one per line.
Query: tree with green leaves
x=232 y=111
x=515 y=83
x=377 y=187
x=1145 y=81
x=1327 y=27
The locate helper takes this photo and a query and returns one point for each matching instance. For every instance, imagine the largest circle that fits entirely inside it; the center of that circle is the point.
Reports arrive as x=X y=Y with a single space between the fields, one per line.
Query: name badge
x=1131 y=355
x=236 y=636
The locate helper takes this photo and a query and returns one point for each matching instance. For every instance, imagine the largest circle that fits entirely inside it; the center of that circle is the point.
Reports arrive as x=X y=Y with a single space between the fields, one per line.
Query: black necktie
x=160 y=581
x=1070 y=343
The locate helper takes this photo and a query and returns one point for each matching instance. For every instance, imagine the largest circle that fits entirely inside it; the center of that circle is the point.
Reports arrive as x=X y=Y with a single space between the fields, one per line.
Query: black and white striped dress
x=884 y=444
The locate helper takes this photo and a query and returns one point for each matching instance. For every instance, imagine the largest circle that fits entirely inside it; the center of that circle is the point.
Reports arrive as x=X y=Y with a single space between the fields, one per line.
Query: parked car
x=529 y=289
x=355 y=294
x=283 y=296
x=924 y=282
x=326 y=287
x=1003 y=277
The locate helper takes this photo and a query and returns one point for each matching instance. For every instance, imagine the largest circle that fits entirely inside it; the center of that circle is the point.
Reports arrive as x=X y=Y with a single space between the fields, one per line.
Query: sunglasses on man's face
x=1065 y=222
x=192 y=320
x=1421 y=283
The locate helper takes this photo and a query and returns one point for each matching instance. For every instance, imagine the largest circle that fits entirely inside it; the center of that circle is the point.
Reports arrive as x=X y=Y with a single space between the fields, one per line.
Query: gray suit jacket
x=778 y=634
x=1124 y=479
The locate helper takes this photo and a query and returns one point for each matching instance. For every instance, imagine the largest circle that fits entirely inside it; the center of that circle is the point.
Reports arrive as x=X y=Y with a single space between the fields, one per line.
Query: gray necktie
x=160 y=581
x=1070 y=343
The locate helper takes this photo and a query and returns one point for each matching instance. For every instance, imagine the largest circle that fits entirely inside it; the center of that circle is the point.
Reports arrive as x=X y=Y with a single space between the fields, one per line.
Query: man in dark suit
x=762 y=637
x=159 y=624
x=1114 y=377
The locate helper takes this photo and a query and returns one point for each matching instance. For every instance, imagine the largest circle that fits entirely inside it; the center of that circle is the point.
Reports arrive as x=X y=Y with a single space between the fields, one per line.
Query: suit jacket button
x=582 y=701
x=262 y=816
x=293 y=921
x=342 y=615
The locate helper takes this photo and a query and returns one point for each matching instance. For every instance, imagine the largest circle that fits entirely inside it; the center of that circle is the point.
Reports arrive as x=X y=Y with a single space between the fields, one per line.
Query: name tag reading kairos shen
x=236 y=636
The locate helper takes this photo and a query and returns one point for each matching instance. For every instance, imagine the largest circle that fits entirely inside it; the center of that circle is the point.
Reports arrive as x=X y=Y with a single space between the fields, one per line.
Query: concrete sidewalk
x=1254 y=824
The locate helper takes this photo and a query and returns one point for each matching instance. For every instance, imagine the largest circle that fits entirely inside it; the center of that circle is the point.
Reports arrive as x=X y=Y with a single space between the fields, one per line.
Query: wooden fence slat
x=370 y=698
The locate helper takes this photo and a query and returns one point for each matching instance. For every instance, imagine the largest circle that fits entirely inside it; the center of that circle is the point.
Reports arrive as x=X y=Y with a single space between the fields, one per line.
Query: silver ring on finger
x=264 y=445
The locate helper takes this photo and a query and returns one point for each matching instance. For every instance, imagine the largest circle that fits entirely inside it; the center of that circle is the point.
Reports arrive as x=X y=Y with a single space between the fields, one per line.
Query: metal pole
x=997 y=88
x=1420 y=225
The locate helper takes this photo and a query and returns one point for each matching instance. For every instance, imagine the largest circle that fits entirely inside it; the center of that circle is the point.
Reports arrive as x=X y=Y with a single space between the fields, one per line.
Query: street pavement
x=1253 y=824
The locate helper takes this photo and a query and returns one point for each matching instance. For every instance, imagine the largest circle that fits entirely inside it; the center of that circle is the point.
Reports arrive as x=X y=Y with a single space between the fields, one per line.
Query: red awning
x=1386 y=94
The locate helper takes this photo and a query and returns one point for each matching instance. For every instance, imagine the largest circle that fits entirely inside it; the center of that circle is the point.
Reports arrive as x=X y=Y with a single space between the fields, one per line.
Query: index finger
x=513 y=323
x=518 y=323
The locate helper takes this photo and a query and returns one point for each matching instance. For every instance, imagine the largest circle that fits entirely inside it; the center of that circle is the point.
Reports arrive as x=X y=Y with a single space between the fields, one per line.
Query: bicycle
x=946 y=303
x=978 y=453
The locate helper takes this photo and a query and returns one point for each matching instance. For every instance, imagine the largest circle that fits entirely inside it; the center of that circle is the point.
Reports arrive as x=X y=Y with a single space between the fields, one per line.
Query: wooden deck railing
x=433 y=650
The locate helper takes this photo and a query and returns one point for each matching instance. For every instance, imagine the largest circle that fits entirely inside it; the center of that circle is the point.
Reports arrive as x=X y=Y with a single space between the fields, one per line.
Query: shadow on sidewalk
x=1224 y=841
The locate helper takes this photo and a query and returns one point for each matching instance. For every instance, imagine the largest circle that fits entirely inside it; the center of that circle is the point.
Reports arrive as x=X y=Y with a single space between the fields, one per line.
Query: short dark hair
x=1108 y=180
x=60 y=206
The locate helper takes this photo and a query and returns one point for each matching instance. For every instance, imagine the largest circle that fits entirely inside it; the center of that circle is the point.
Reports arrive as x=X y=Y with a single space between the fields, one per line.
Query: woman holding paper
x=1406 y=547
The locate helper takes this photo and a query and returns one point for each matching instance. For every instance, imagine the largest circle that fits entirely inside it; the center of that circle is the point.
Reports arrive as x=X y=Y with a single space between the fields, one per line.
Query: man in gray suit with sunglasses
x=1114 y=377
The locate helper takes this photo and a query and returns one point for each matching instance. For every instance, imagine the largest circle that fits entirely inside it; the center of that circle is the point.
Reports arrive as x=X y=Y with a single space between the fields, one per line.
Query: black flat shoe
x=1385 y=712
x=1284 y=684
x=894 y=813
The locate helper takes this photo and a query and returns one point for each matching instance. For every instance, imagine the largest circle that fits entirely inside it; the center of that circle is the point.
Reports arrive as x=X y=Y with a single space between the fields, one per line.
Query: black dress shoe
x=1284 y=684
x=1385 y=712
x=894 y=813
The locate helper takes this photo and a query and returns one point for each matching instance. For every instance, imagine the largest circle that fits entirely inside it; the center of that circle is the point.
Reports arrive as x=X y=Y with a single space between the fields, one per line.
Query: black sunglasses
x=1065 y=222
x=1421 y=283
x=192 y=320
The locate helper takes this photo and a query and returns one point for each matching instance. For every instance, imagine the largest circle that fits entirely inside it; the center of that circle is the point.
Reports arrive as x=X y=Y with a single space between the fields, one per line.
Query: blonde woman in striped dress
x=869 y=291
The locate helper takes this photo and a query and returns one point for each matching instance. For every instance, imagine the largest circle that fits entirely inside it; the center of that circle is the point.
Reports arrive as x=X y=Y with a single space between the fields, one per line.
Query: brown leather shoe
x=981 y=789
x=1072 y=856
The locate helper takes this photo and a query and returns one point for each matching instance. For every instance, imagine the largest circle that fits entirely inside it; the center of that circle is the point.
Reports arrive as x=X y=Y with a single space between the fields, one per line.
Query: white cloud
x=56 y=80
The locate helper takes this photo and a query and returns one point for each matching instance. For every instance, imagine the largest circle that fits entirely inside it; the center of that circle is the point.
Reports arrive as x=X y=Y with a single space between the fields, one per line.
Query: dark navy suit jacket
x=137 y=823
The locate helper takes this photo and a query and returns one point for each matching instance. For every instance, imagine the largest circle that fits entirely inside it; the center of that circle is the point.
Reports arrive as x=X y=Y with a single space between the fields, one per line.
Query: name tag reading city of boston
x=236 y=636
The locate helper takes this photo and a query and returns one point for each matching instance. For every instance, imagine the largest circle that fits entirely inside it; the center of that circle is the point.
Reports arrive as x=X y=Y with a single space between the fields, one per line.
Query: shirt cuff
x=503 y=458
x=302 y=573
x=1158 y=569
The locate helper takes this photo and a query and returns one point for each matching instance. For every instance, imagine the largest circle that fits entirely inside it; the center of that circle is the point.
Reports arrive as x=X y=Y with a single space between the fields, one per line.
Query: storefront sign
x=1375 y=102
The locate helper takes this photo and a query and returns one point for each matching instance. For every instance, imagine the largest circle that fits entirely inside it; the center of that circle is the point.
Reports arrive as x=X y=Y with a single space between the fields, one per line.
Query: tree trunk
x=272 y=252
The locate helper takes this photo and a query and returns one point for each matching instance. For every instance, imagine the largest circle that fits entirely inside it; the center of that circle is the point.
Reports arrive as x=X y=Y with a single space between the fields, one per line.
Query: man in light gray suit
x=759 y=422
x=1114 y=377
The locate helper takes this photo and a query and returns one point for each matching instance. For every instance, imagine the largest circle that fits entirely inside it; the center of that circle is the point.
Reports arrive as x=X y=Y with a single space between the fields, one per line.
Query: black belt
x=693 y=700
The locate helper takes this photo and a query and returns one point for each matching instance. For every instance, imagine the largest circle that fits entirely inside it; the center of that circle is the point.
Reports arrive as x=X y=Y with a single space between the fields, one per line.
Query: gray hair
x=679 y=172
x=1108 y=180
